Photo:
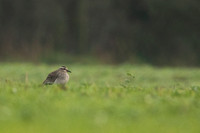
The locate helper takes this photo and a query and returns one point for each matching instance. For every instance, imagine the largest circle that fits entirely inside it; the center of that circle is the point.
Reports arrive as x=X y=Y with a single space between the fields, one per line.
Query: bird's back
x=51 y=78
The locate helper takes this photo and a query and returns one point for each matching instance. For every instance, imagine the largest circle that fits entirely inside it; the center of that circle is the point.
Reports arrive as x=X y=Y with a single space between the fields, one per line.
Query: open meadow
x=100 y=99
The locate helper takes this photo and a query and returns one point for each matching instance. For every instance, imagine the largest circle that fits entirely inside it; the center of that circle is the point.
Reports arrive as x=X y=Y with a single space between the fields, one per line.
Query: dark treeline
x=153 y=31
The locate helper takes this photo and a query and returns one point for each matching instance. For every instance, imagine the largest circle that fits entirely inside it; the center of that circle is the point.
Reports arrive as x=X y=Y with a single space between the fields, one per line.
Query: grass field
x=100 y=99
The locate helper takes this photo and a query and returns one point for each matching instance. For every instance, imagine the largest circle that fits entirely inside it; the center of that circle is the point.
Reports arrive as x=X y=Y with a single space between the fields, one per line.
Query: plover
x=59 y=76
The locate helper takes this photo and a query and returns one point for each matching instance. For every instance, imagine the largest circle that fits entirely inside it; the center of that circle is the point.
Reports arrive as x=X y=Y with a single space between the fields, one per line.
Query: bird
x=59 y=76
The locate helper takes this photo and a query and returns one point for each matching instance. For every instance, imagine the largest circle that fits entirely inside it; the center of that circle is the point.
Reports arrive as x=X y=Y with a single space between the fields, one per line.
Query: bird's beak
x=69 y=71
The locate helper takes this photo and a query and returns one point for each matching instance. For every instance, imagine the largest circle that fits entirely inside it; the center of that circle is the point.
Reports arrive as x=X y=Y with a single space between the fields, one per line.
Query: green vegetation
x=100 y=99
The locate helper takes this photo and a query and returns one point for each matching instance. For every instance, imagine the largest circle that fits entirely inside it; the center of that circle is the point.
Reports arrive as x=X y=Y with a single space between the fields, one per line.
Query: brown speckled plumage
x=59 y=76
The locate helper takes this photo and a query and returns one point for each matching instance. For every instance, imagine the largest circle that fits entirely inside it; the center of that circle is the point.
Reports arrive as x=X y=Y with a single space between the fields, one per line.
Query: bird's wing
x=51 y=77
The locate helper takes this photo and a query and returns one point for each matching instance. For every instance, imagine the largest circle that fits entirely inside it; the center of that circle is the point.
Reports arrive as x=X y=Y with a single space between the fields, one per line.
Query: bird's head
x=65 y=69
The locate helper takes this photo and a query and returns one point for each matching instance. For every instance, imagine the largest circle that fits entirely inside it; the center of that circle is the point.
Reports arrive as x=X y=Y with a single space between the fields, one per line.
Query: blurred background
x=156 y=32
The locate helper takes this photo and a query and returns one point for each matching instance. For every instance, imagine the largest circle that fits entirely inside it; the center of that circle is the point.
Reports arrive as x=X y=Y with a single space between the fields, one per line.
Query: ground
x=100 y=99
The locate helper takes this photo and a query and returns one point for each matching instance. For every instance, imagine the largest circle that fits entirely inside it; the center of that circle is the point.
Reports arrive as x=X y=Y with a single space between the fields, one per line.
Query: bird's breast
x=62 y=78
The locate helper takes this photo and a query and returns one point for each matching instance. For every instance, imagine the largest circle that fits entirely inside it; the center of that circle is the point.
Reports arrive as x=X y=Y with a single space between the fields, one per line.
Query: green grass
x=100 y=99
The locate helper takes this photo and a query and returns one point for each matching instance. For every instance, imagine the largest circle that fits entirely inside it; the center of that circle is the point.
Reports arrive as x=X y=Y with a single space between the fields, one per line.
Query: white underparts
x=63 y=78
